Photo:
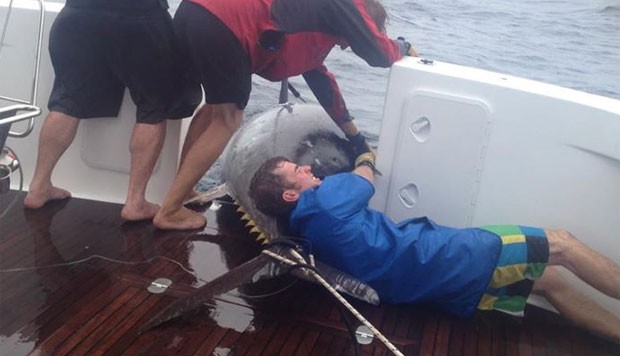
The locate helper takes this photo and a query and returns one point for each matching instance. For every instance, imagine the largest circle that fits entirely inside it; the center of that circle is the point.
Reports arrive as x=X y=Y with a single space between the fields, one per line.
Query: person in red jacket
x=229 y=40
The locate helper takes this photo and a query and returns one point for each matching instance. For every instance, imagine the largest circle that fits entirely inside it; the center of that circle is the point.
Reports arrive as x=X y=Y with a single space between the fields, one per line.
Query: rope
x=337 y=295
x=91 y=257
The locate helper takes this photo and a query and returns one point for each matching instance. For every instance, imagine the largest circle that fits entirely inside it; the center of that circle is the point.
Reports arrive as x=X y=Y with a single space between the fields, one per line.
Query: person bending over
x=457 y=270
x=229 y=40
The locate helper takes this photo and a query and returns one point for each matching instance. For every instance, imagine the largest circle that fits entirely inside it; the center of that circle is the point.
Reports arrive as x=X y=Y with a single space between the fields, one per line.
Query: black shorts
x=97 y=52
x=218 y=58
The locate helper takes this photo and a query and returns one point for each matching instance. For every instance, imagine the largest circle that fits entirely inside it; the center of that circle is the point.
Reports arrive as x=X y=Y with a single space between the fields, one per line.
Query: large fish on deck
x=306 y=135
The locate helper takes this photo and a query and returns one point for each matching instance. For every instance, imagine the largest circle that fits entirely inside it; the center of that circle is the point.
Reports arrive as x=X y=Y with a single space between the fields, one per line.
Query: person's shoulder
x=343 y=178
x=343 y=187
x=335 y=181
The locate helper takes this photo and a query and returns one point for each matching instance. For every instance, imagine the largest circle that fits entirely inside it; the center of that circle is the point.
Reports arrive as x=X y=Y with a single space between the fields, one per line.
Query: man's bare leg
x=590 y=266
x=56 y=135
x=576 y=307
x=199 y=124
x=224 y=121
x=145 y=147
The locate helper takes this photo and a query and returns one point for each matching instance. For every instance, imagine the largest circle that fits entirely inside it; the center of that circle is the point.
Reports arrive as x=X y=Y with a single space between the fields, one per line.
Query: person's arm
x=346 y=19
x=325 y=88
x=352 y=22
x=365 y=166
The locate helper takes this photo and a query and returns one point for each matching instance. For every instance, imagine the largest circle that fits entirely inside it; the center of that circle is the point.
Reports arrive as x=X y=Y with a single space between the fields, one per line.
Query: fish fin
x=234 y=278
x=203 y=198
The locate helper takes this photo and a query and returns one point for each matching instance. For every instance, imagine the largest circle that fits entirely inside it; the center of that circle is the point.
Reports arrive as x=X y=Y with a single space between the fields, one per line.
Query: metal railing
x=27 y=109
x=20 y=110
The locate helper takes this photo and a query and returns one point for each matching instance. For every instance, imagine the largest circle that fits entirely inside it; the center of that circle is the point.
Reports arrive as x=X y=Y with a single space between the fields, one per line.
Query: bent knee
x=561 y=244
x=58 y=115
x=227 y=115
x=550 y=282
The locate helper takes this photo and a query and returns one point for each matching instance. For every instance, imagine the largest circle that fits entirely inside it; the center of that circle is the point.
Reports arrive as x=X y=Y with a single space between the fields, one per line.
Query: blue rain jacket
x=415 y=260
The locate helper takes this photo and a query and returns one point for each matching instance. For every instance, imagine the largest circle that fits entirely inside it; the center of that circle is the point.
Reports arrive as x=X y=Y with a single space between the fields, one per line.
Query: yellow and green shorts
x=523 y=258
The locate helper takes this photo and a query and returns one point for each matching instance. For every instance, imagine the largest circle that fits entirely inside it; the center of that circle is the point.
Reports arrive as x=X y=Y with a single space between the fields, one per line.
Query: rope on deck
x=337 y=295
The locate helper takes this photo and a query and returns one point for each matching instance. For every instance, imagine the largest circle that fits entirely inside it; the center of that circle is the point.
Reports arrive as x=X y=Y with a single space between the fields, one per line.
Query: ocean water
x=571 y=43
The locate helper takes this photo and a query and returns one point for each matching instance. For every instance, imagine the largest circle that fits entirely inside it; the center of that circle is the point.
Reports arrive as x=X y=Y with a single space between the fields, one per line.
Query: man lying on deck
x=417 y=260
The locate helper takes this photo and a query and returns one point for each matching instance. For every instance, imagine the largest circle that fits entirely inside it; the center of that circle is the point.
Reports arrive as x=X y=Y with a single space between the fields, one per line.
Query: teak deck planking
x=96 y=307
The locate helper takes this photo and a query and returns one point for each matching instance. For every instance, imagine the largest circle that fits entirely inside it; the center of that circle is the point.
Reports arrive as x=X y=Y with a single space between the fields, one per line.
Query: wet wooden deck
x=64 y=290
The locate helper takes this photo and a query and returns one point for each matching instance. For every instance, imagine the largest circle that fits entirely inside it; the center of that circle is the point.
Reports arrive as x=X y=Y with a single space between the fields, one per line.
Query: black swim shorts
x=100 y=47
x=218 y=58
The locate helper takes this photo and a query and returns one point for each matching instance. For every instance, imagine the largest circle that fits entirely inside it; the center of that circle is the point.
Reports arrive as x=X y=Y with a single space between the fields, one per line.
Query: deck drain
x=159 y=285
x=363 y=335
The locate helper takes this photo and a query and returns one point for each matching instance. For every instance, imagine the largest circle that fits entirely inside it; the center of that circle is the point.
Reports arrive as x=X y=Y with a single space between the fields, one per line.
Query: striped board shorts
x=523 y=258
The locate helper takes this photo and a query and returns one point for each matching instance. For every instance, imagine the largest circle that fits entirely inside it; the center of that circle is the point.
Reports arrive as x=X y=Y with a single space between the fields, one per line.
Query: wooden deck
x=58 y=297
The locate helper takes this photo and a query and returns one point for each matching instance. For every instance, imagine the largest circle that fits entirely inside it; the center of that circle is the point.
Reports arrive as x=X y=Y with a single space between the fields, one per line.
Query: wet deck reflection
x=74 y=280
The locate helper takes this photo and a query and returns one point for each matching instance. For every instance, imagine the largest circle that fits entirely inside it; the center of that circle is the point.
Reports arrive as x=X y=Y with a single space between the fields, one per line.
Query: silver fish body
x=302 y=133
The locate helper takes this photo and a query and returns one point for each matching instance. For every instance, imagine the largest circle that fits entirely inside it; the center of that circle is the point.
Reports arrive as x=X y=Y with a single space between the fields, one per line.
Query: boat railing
x=26 y=108
x=18 y=110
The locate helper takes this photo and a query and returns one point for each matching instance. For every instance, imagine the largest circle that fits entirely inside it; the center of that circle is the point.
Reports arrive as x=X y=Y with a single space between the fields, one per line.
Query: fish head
x=303 y=133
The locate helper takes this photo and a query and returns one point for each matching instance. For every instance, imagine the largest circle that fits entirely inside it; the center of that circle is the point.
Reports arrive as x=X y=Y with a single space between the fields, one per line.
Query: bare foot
x=37 y=198
x=144 y=211
x=182 y=219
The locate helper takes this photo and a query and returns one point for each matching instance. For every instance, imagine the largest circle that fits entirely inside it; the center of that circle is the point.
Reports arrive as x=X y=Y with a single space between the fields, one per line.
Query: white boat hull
x=469 y=147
